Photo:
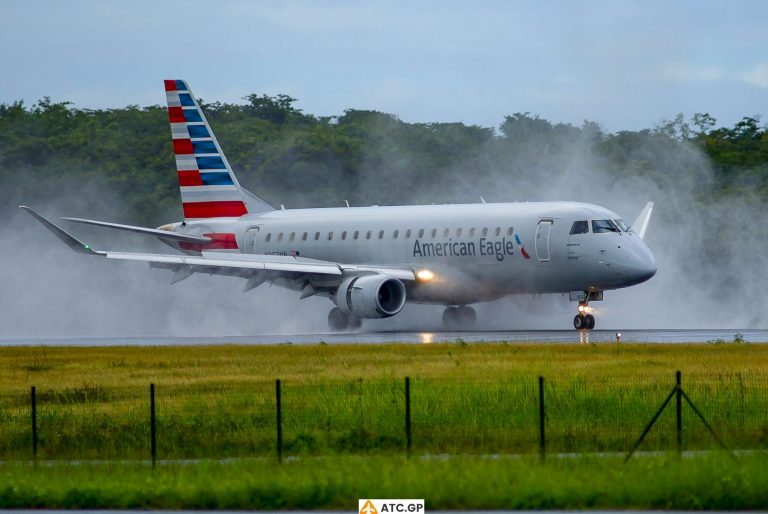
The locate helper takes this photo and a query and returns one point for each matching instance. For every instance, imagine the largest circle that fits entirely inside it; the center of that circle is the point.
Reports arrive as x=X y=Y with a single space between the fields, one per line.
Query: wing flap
x=239 y=261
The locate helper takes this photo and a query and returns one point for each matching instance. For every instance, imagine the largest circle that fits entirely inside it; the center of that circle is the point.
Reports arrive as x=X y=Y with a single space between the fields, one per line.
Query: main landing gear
x=462 y=316
x=338 y=321
x=584 y=320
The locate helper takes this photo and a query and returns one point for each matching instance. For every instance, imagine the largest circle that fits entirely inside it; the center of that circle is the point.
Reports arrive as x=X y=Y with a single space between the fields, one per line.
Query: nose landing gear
x=584 y=320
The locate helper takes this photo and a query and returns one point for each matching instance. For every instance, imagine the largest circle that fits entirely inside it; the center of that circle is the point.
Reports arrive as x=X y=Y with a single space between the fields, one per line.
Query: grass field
x=218 y=401
x=445 y=483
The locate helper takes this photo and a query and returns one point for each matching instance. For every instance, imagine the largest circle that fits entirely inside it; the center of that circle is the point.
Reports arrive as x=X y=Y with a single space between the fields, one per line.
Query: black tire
x=590 y=321
x=353 y=323
x=467 y=316
x=579 y=322
x=337 y=320
x=450 y=317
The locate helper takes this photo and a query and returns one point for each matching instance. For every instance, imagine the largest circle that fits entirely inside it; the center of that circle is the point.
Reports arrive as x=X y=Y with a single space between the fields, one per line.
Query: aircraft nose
x=643 y=265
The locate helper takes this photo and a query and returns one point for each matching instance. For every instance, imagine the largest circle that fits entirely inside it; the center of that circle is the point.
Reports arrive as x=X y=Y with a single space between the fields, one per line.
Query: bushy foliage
x=367 y=157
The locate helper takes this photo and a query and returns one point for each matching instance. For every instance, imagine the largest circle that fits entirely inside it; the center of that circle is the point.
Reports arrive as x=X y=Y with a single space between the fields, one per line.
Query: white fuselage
x=477 y=252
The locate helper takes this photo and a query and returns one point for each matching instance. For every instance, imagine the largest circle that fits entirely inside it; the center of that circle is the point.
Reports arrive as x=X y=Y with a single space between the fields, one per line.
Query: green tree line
x=121 y=161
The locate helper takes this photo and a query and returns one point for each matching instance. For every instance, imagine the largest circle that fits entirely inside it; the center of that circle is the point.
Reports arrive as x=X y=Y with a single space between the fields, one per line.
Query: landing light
x=424 y=275
x=584 y=309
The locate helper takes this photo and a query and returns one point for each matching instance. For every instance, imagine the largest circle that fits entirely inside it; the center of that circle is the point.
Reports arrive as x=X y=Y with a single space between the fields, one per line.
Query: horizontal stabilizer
x=641 y=223
x=68 y=239
x=163 y=234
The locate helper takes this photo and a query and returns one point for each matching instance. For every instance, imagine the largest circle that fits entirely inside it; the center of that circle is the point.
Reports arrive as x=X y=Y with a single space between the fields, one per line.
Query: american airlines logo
x=390 y=506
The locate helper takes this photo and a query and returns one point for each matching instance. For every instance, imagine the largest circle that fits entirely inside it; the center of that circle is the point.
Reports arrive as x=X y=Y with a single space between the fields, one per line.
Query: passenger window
x=330 y=236
x=434 y=233
x=446 y=232
x=304 y=236
x=484 y=232
x=472 y=232
x=293 y=236
x=580 y=227
x=603 y=226
x=356 y=235
x=408 y=234
x=279 y=237
x=497 y=231
x=344 y=236
x=368 y=235
x=395 y=233
x=268 y=238
x=510 y=231
x=317 y=236
x=458 y=232
x=381 y=234
x=421 y=233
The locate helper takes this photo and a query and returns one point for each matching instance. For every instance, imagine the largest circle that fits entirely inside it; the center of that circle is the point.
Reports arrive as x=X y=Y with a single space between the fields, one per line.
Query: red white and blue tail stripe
x=209 y=188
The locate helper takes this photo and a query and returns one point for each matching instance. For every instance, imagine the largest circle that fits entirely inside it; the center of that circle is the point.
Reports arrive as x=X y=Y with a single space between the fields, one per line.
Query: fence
x=518 y=415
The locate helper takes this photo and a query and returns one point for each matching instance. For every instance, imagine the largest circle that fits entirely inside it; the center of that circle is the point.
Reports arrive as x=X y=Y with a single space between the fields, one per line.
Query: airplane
x=370 y=261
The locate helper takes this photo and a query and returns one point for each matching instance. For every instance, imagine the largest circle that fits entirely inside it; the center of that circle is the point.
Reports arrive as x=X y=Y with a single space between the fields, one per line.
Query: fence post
x=152 y=425
x=279 y=421
x=679 y=394
x=34 y=423
x=408 y=414
x=542 y=438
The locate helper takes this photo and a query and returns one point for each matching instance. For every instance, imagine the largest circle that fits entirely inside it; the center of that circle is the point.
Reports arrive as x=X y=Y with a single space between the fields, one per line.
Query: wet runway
x=532 y=336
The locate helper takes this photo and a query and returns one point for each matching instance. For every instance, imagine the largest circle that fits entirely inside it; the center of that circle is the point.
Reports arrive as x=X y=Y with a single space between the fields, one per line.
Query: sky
x=624 y=64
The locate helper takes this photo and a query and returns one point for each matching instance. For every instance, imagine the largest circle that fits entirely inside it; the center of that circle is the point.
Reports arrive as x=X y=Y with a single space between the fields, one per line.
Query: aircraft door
x=542 y=240
x=251 y=236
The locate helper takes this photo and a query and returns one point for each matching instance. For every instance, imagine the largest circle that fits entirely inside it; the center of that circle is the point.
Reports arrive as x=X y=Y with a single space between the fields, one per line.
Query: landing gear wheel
x=459 y=317
x=467 y=316
x=353 y=323
x=337 y=320
x=584 y=322
x=450 y=317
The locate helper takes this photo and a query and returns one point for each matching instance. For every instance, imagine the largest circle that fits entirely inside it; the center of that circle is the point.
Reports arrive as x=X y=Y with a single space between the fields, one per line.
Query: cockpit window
x=623 y=226
x=603 y=226
x=580 y=227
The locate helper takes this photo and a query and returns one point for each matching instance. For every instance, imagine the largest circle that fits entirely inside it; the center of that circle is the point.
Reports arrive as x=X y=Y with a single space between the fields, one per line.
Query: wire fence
x=199 y=420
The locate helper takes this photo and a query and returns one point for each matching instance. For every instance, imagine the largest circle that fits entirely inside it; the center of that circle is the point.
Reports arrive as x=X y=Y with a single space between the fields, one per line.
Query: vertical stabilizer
x=209 y=188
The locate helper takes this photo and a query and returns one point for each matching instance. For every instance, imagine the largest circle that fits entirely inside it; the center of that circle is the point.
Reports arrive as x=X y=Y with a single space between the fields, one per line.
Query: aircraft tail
x=209 y=188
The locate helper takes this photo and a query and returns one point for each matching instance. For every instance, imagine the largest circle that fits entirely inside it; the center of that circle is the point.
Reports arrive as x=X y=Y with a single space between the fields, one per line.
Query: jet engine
x=370 y=296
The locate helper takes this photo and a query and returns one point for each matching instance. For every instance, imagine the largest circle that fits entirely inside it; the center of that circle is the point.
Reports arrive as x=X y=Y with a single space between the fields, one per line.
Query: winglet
x=68 y=239
x=641 y=222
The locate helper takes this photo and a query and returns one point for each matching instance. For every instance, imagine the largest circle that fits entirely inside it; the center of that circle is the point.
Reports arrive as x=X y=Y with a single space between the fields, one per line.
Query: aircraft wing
x=260 y=267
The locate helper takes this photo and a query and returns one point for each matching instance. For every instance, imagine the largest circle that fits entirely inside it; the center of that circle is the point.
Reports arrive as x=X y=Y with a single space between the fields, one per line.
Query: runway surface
x=533 y=336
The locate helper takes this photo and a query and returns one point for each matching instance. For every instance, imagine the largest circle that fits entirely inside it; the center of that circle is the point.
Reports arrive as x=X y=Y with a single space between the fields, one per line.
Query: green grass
x=218 y=401
x=702 y=483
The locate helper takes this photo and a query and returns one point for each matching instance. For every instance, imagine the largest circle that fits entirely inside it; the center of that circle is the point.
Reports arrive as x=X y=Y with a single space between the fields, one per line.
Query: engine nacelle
x=371 y=296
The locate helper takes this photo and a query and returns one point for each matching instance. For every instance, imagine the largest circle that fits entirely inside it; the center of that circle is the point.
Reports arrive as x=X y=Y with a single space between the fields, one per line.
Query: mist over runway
x=722 y=336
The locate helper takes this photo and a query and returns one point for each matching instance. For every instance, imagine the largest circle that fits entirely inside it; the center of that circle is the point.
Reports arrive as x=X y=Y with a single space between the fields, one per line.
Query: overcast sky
x=624 y=64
